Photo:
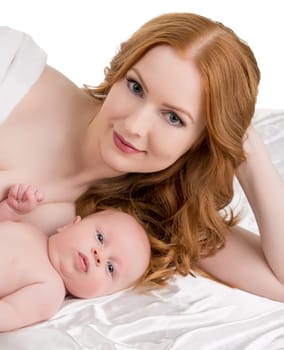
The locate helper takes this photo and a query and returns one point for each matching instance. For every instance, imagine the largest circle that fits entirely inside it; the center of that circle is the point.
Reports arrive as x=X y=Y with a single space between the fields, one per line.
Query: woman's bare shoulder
x=53 y=83
x=53 y=95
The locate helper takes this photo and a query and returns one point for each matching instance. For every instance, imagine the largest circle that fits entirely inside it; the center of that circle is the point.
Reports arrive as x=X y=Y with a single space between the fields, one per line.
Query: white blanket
x=191 y=313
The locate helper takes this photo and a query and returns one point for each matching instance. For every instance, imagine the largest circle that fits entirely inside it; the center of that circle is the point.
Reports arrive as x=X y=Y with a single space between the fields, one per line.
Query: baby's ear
x=76 y=220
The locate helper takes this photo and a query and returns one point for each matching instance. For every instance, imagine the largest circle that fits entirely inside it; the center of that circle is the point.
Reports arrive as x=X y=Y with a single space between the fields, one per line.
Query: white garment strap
x=21 y=63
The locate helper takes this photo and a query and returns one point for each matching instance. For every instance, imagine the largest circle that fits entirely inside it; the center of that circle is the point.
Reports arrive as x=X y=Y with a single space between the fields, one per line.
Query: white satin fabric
x=191 y=313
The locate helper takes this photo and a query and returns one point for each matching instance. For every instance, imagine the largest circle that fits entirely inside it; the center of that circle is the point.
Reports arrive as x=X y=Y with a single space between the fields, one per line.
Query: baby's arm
x=31 y=304
x=21 y=200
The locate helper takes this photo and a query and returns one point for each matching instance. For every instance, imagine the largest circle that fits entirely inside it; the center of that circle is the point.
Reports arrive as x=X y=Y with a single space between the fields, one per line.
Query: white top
x=21 y=63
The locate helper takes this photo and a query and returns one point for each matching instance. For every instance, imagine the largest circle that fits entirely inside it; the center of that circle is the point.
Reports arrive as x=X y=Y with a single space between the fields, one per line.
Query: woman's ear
x=76 y=220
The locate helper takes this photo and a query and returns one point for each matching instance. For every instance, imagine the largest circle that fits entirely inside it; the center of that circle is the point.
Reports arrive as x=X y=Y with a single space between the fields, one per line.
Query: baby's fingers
x=16 y=191
x=32 y=196
x=24 y=198
x=39 y=195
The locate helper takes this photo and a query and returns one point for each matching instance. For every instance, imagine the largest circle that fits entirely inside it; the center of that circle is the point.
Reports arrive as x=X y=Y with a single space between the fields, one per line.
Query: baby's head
x=103 y=253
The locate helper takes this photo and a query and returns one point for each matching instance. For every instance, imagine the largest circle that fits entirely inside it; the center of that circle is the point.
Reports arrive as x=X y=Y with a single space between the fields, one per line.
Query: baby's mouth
x=84 y=262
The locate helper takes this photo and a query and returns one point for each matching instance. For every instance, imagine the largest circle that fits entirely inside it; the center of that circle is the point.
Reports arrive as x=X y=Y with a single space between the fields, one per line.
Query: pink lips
x=123 y=145
x=83 y=262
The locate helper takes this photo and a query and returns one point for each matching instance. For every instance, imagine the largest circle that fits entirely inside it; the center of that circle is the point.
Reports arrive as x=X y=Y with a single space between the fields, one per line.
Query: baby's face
x=101 y=254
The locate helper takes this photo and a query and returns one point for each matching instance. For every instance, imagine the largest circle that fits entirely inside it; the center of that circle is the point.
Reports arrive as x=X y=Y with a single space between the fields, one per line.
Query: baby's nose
x=97 y=257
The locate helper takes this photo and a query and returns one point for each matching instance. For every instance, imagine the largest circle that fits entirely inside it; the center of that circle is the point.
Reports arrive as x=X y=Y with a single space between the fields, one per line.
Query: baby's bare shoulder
x=21 y=230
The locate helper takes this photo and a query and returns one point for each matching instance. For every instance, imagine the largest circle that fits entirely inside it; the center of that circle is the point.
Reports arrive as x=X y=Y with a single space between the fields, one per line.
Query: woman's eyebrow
x=181 y=110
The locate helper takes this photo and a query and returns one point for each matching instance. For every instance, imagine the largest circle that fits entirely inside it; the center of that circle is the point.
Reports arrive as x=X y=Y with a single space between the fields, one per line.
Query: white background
x=80 y=36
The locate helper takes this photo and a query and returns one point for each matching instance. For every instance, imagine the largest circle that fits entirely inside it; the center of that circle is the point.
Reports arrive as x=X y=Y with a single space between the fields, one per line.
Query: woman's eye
x=134 y=86
x=110 y=267
x=100 y=237
x=174 y=119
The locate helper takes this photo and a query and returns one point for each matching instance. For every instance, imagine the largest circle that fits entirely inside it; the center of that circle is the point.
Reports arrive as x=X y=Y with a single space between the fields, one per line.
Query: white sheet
x=191 y=313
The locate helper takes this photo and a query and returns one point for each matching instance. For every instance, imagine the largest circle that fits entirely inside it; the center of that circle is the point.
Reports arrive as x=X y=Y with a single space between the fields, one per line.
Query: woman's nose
x=139 y=122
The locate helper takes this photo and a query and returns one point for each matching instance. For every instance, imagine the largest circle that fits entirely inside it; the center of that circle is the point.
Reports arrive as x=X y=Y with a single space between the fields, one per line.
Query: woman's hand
x=253 y=143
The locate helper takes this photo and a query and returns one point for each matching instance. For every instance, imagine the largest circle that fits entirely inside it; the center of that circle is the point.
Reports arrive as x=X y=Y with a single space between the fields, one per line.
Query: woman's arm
x=264 y=189
x=250 y=262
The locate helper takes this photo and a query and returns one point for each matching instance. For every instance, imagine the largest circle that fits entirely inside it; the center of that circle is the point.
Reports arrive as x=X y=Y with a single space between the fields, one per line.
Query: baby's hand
x=24 y=198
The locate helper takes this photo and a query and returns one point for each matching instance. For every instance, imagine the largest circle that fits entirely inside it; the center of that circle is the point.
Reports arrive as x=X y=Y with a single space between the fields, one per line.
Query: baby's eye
x=174 y=119
x=134 y=86
x=110 y=267
x=100 y=237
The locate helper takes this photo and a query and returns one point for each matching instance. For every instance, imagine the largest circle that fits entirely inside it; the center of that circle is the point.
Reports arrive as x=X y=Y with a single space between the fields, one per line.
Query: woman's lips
x=83 y=262
x=123 y=145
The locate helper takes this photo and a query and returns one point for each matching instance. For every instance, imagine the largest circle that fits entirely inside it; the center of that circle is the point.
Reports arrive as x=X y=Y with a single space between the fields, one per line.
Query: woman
x=164 y=134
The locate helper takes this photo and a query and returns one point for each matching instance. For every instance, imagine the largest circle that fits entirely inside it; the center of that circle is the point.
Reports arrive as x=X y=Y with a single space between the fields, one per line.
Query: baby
x=103 y=253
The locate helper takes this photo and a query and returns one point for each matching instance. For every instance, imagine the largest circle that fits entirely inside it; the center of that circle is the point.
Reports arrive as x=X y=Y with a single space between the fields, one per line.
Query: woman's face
x=153 y=115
